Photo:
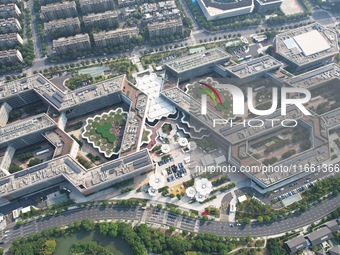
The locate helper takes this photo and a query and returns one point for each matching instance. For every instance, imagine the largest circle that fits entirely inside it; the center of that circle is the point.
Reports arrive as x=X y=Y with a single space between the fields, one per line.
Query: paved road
x=166 y=218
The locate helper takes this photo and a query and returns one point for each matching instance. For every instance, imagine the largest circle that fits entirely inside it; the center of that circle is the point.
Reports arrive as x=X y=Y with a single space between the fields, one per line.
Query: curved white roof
x=203 y=186
x=191 y=192
x=157 y=181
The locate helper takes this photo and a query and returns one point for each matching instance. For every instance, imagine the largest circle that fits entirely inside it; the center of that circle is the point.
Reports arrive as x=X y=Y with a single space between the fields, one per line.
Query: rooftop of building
x=189 y=62
x=58 y=5
x=55 y=96
x=264 y=2
x=70 y=39
x=296 y=243
x=255 y=66
x=298 y=45
x=8 y=36
x=320 y=234
x=103 y=34
x=165 y=23
x=61 y=22
x=315 y=77
x=7 y=53
x=227 y=5
x=101 y=15
x=24 y=127
x=75 y=173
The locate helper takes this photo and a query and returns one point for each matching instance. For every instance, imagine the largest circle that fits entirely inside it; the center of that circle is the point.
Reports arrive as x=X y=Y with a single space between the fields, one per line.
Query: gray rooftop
x=296 y=243
x=319 y=236
x=189 y=62
x=298 y=45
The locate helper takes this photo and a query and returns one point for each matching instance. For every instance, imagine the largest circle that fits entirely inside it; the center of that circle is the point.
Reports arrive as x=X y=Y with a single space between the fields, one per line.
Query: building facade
x=89 y=6
x=59 y=11
x=9 y=11
x=265 y=5
x=66 y=27
x=115 y=37
x=10 y=57
x=9 y=41
x=166 y=28
x=11 y=25
x=78 y=42
x=104 y=20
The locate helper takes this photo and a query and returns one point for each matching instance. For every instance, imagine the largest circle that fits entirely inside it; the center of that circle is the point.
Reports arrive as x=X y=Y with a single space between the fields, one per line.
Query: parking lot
x=175 y=171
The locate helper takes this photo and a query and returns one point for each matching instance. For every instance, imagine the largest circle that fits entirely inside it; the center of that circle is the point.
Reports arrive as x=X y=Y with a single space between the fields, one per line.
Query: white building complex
x=213 y=9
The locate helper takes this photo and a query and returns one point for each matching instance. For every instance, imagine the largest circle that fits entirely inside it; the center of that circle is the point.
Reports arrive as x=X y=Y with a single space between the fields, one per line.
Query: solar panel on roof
x=52 y=100
x=253 y=62
x=60 y=98
x=87 y=88
x=110 y=166
x=2 y=182
x=141 y=165
x=41 y=80
x=310 y=75
x=31 y=170
x=134 y=157
x=140 y=161
x=238 y=68
x=71 y=165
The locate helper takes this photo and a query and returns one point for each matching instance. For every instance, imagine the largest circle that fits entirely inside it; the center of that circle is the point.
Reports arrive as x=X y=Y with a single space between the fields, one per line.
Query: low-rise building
x=78 y=42
x=59 y=11
x=9 y=41
x=319 y=236
x=296 y=244
x=10 y=57
x=9 y=10
x=62 y=27
x=166 y=28
x=105 y=20
x=115 y=37
x=88 y=6
x=11 y=25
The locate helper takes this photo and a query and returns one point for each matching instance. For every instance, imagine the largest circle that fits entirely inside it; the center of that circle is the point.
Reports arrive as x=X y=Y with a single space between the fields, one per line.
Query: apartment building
x=103 y=20
x=89 y=6
x=115 y=37
x=78 y=42
x=62 y=27
x=59 y=11
x=11 y=25
x=9 y=11
x=10 y=57
x=165 y=28
x=9 y=41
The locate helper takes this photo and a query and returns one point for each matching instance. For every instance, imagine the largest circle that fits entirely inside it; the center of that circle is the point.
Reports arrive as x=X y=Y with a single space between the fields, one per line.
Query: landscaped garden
x=105 y=131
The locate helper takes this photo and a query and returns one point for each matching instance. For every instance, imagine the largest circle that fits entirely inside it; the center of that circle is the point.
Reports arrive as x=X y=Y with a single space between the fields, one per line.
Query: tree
x=266 y=218
x=172 y=228
x=33 y=162
x=49 y=247
x=205 y=218
x=260 y=219
x=247 y=220
x=87 y=224
x=159 y=207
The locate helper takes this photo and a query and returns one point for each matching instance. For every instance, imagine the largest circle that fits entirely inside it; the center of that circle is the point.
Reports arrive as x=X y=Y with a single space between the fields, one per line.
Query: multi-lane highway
x=161 y=217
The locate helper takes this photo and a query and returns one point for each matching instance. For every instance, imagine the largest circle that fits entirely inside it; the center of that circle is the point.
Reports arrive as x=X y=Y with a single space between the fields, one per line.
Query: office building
x=5 y=109
x=89 y=6
x=105 y=20
x=9 y=11
x=9 y=41
x=78 y=42
x=298 y=49
x=115 y=37
x=10 y=57
x=59 y=11
x=10 y=25
x=197 y=64
x=214 y=10
x=62 y=27
x=165 y=28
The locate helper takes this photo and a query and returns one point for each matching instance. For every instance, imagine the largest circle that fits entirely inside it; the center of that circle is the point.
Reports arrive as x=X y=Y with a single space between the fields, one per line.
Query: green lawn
x=104 y=130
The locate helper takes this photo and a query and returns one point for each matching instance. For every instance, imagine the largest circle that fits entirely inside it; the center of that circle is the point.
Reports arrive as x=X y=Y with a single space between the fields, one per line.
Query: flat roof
x=322 y=234
x=307 y=43
x=228 y=5
x=298 y=45
x=189 y=62
x=296 y=243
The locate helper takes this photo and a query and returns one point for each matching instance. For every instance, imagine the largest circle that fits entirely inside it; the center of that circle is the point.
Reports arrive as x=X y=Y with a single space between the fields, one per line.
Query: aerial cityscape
x=178 y=127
